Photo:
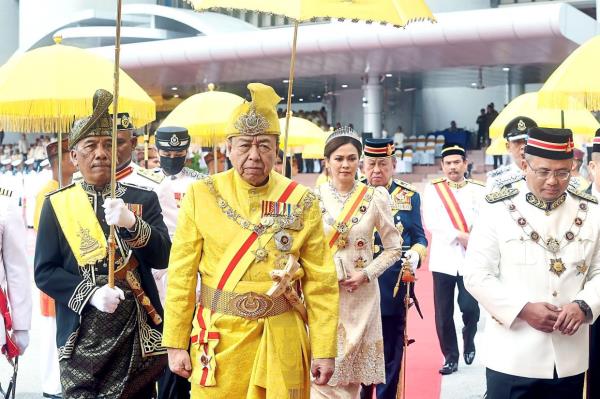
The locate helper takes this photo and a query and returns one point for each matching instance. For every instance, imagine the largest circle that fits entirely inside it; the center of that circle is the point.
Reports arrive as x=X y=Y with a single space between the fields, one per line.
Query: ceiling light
x=319 y=97
x=300 y=99
x=286 y=81
x=293 y=95
x=344 y=86
x=388 y=75
x=410 y=89
x=506 y=69
x=176 y=95
x=174 y=88
x=474 y=84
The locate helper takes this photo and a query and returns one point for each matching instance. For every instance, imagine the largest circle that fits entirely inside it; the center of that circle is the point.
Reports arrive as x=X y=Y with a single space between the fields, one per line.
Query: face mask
x=172 y=166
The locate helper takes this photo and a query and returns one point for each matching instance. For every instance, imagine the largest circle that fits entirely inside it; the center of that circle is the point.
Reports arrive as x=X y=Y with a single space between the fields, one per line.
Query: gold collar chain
x=265 y=222
x=551 y=244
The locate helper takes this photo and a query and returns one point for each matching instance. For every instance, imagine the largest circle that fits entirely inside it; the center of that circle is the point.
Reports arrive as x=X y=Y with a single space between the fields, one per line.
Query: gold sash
x=79 y=224
x=361 y=197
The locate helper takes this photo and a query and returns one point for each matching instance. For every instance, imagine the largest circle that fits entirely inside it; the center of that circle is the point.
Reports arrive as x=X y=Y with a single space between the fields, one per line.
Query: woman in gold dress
x=351 y=212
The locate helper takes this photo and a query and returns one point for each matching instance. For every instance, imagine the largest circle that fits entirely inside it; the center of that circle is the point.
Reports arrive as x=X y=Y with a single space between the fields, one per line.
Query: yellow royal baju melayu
x=239 y=238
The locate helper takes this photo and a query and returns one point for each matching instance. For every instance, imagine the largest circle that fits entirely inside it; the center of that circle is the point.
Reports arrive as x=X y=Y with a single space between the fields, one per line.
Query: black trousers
x=506 y=386
x=172 y=386
x=443 y=299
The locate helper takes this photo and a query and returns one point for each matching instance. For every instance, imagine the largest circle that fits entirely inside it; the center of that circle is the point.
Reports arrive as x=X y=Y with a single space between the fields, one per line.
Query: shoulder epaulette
x=498 y=171
x=150 y=175
x=583 y=195
x=438 y=180
x=478 y=182
x=60 y=189
x=130 y=185
x=508 y=180
x=6 y=192
x=501 y=194
x=405 y=185
x=192 y=173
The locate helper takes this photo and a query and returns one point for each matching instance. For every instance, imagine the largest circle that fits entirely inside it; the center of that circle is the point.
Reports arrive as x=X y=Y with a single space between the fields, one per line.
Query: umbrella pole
x=146 y=143
x=60 y=157
x=288 y=112
x=113 y=159
x=215 y=159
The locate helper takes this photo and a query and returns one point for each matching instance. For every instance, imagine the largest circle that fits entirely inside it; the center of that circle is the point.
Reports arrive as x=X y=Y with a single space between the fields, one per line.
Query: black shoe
x=469 y=356
x=52 y=396
x=449 y=368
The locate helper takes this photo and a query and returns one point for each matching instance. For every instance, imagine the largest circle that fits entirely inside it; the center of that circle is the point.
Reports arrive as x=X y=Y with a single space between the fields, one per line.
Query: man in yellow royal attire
x=256 y=238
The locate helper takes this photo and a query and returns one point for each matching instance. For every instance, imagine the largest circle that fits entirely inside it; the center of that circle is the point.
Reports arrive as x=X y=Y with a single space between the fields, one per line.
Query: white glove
x=117 y=213
x=21 y=338
x=106 y=299
x=412 y=257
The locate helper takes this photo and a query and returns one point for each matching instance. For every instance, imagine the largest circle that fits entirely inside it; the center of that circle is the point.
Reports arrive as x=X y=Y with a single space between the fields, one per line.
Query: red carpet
x=424 y=356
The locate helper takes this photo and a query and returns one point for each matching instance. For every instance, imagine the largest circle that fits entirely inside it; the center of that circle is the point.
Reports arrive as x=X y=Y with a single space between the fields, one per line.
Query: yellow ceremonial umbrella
x=302 y=132
x=395 y=12
x=576 y=82
x=45 y=89
x=313 y=151
x=579 y=120
x=205 y=115
x=497 y=147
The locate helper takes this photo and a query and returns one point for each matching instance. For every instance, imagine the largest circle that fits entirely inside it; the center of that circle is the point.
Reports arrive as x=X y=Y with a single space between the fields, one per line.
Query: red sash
x=452 y=208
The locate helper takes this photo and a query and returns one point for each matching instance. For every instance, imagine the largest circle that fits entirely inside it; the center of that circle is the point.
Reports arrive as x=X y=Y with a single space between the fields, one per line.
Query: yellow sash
x=353 y=207
x=79 y=224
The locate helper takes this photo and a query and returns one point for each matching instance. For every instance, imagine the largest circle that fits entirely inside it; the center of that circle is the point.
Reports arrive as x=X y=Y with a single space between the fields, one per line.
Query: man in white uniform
x=534 y=264
x=450 y=206
x=15 y=281
x=515 y=134
x=173 y=144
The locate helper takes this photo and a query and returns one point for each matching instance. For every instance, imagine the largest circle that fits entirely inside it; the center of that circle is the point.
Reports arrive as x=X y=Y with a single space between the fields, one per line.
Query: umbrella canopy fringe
x=565 y=101
x=39 y=116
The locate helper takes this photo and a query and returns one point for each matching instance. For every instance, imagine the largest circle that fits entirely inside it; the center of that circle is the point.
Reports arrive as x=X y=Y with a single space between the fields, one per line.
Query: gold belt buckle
x=251 y=305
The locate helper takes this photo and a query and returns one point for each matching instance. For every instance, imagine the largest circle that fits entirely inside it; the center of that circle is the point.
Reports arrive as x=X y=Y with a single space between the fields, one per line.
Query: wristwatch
x=585 y=309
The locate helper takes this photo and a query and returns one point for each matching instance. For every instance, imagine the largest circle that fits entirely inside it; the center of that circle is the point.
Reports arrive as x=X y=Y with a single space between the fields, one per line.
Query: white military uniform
x=446 y=254
x=171 y=191
x=138 y=176
x=14 y=270
x=506 y=267
x=502 y=176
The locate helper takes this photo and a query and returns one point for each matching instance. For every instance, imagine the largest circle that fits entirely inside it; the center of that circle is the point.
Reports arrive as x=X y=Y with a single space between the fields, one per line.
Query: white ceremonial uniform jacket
x=171 y=191
x=446 y=254
x=507 y=174
x=14 y=270
x=138 y=176
x=505 y=268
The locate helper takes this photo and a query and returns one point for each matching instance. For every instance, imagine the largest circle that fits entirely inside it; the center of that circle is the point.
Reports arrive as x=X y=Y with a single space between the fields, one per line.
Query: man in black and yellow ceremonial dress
x=379 y=166
x=109 y=339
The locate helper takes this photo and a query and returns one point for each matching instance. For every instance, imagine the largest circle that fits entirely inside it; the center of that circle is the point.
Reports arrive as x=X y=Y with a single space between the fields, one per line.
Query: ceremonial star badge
x=557 y=266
